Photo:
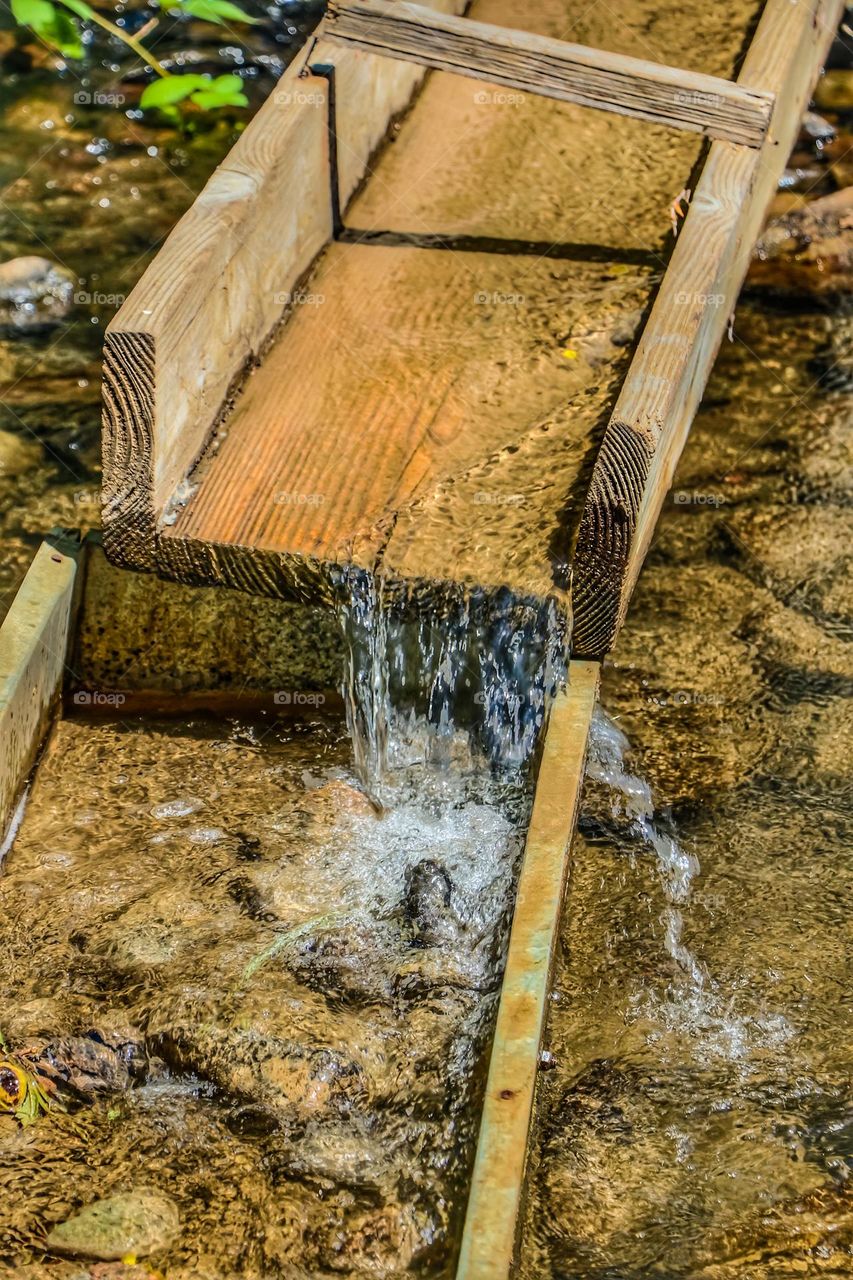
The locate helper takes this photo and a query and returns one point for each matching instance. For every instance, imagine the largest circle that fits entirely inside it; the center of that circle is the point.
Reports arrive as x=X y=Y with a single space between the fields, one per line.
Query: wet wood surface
x=537 y=64
x=207 y=306
x=431 y=413
x=664 y=385
x=431 y=407
x=33 y=645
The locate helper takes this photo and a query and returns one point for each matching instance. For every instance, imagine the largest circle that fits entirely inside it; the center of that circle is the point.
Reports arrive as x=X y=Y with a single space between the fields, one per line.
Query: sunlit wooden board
x=655 y=410
x=33 y=651
x=433 y=414
x=497 y=1184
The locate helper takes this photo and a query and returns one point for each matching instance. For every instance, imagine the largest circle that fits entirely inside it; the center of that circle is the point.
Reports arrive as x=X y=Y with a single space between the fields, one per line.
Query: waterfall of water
x=694 y=1009
x=677 y=867
x=487 y=670
x=365 y=685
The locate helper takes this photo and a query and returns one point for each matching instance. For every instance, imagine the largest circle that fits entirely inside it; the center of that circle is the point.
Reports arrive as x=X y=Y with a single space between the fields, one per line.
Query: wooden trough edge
x=495 y=1200
x=667 y=376
x=553 y=68
x=34 y=643
x=211 y=300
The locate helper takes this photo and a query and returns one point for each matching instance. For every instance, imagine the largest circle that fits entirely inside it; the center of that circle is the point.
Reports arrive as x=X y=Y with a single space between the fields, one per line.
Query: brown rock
x=839 y=153
x=809 y=251
x=136 y=1222
x=834 y=91
x=34 y=292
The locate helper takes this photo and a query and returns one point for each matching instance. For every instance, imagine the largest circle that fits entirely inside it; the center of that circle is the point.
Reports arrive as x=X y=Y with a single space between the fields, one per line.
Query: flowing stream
x=676 y=867
x=697 y=1120
x=260 y=959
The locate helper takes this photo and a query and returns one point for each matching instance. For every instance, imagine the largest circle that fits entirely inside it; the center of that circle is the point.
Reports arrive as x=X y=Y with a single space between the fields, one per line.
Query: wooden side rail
x=206 y=306
x=497 y=1183
x=667 y=376
x=553 y=68
x=33 y=649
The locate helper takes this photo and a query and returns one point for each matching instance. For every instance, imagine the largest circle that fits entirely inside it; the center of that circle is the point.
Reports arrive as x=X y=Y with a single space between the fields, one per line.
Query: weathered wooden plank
x=205 y=307
x=443 y=432
x=225 y=279
x=33 y=646
x=661 y=393
x=495 y=1200
x=434 y=468
x=423 y=359
x=552 y=68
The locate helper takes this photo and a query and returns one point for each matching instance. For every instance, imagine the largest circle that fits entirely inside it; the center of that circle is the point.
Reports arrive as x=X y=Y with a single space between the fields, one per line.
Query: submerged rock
x=832 y=363
x=815 y=130
x=278 y=1081
x=838 y=154
x=834 y=90
x=136 y=1222
x=784 y=1239
x=428 y=904
x=92 y=1064
x=338 y=1158
x=433 y=969
x=34 y=293
x=346 y=961
x=18 y=455
x=808 y=251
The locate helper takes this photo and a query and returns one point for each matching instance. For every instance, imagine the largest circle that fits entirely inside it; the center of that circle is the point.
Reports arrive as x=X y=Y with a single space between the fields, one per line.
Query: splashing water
x=677 y=867
x=489 y=669
x=365 y=685
x=693 y=1008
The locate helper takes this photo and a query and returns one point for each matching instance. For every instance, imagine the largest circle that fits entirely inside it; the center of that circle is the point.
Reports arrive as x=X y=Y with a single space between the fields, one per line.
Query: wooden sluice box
x=405 y=357
x=425 y=332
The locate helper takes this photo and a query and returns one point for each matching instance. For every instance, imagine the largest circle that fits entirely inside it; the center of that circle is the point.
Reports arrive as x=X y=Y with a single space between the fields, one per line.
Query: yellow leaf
x=570 y=353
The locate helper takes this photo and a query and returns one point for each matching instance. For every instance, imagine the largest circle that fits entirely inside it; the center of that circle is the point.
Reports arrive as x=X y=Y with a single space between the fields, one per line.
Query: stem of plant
x=131 y=41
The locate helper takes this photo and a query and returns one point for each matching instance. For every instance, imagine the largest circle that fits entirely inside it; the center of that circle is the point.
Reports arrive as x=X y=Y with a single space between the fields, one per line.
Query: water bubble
x=178 y=808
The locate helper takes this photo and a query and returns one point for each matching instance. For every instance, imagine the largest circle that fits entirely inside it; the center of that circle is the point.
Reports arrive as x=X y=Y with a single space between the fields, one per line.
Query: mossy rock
x=135 y=1223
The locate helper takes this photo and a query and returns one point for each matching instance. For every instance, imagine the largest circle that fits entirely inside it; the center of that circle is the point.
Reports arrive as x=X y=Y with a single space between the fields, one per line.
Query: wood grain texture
x=450 y=358
x=655 y=409
x=552 y=68
x=127 y=444
x=426 y=372
x=224 y=280
x=497 y=1184
x=33 y=646
x=207 y=303
x=345 y=447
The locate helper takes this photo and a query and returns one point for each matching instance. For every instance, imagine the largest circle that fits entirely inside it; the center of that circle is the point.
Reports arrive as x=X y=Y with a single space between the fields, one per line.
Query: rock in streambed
x=35 y=293
x=134 y=1223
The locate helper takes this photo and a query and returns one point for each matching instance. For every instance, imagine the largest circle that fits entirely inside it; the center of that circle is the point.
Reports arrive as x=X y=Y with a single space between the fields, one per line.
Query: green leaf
x=51 y=25
x=232 y=12
x=168 y=90
x=224 y=91
x=208 y=101
x=65 y=36
x=33 y=13
x=79 y=7
x=219 y=11
x=228 y=84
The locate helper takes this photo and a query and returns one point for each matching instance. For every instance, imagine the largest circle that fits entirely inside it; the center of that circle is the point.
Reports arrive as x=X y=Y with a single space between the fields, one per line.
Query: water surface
x=698 y=1121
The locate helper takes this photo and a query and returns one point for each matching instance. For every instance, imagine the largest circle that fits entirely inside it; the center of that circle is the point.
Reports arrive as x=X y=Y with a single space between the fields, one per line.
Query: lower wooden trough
x=85 y=639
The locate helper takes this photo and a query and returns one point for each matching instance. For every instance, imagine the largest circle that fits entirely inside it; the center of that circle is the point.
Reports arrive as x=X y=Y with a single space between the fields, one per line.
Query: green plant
x=53 y=21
